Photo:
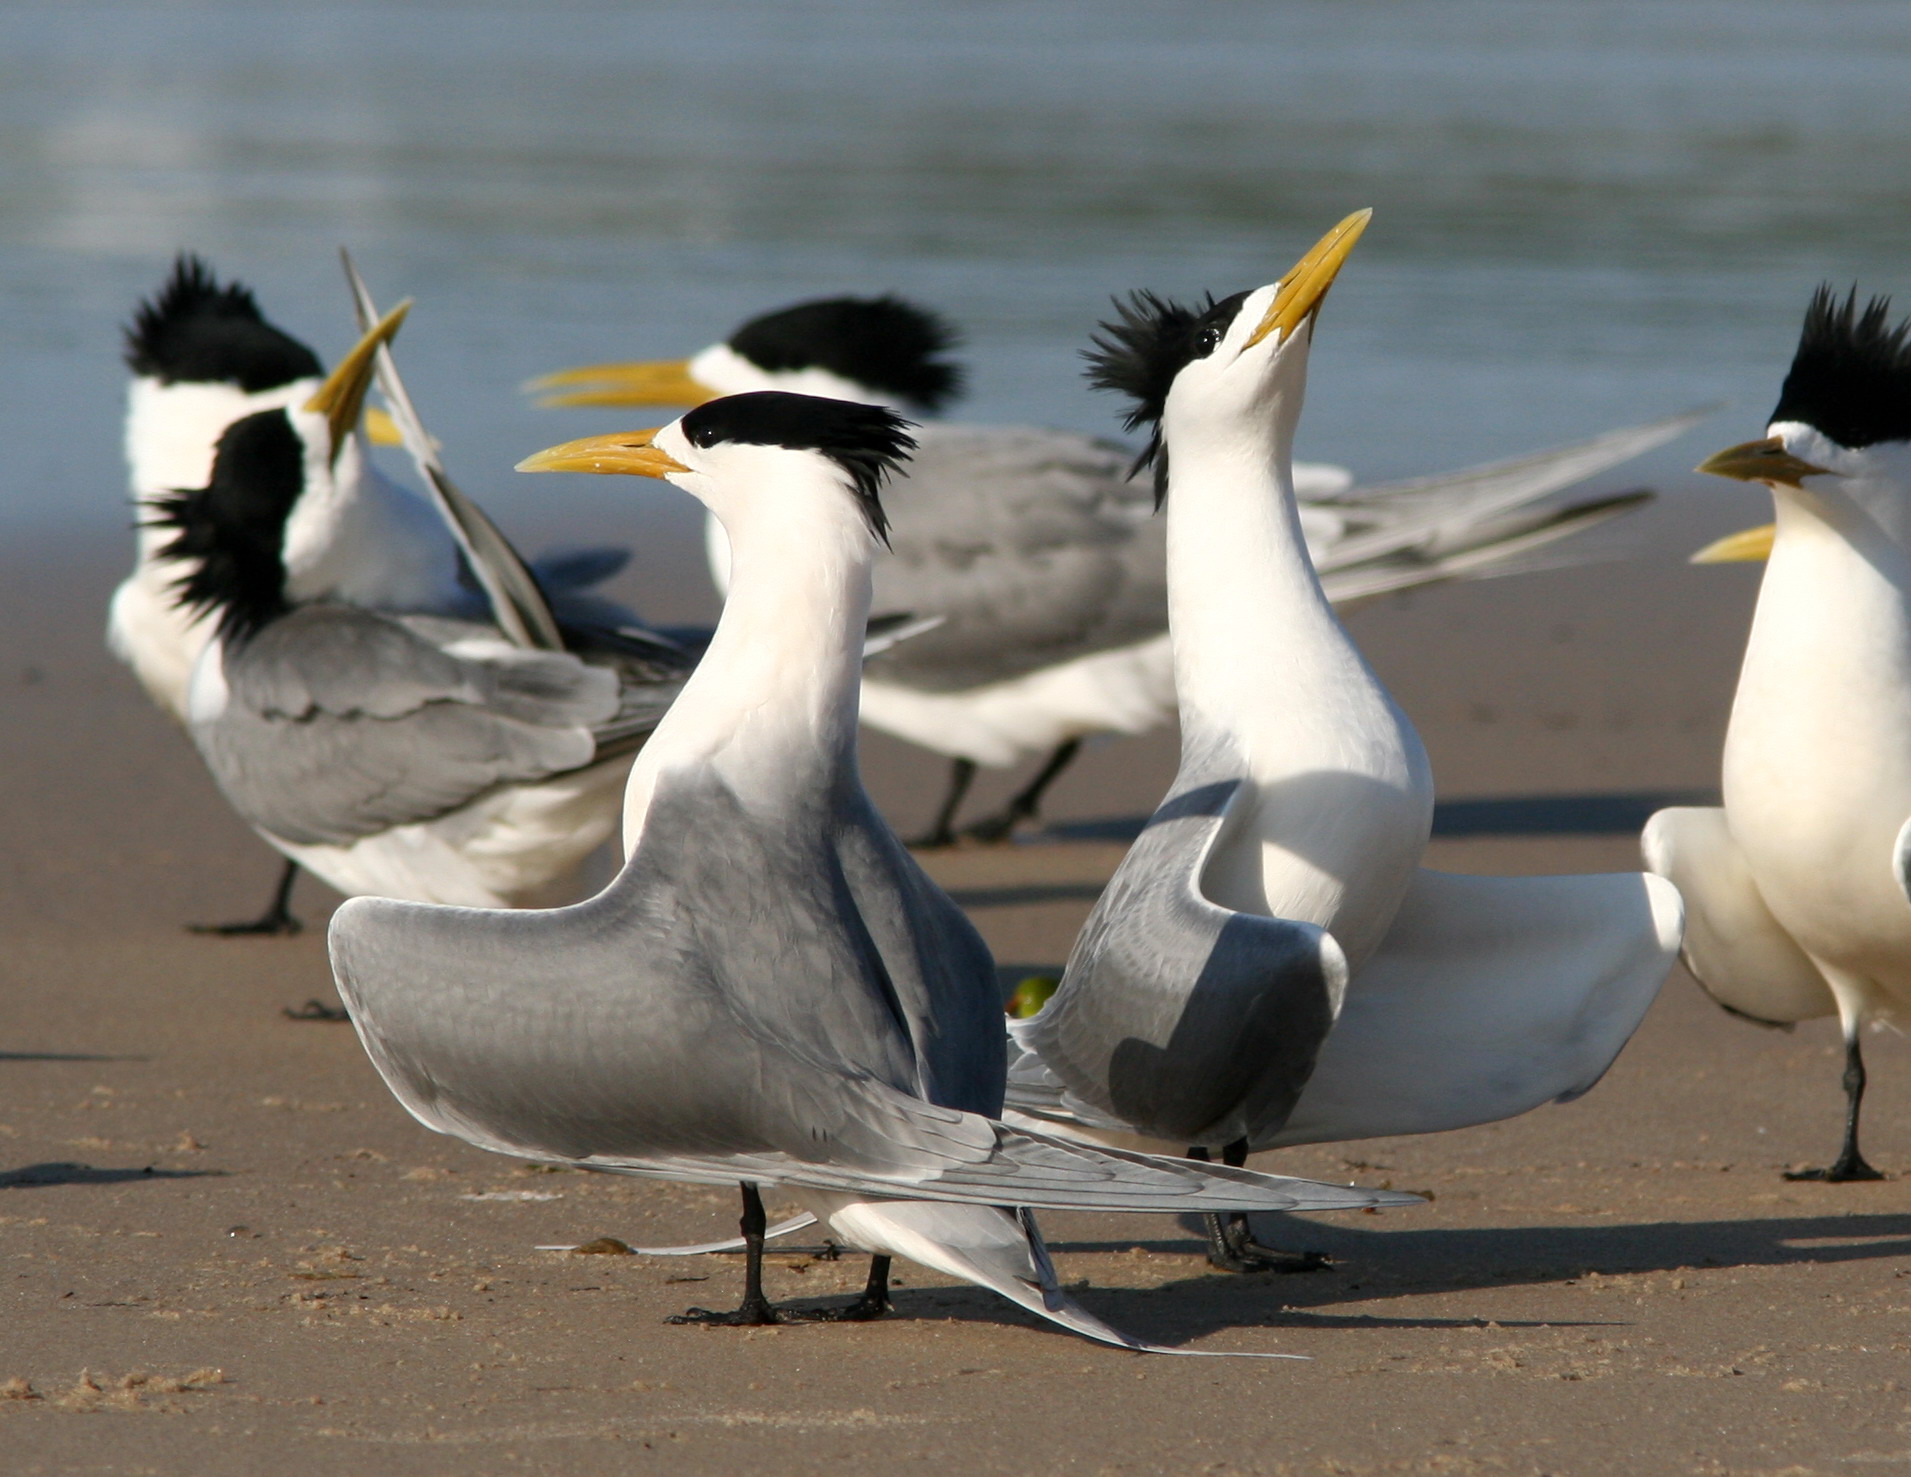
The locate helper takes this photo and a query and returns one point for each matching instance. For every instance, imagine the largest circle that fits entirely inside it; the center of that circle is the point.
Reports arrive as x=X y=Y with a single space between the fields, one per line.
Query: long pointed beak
x=653 y=382
x=1747 y=546
x=629 y=452
x=341 y=399
x=1302 y=289
x=1764 y=461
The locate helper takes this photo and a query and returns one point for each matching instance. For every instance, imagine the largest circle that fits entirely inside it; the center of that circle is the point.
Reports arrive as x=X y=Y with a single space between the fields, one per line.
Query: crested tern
x=202 y=356
x=771 y=992
x=421 y=755
x=1037 y=549
x=1270 y=964
x=1798 y=883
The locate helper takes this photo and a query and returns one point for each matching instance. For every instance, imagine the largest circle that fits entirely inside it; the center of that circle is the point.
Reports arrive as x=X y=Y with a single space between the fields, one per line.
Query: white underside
x=1127 y=690
x=1488 y=997
x=1798 y=906
x=519 y=846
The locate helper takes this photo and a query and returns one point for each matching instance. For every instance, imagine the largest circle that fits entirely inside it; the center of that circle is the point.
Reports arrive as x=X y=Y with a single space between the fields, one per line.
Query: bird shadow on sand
x=66 y=1056
x=59 y=1172
x=1374 y=1266
x=1597 y=814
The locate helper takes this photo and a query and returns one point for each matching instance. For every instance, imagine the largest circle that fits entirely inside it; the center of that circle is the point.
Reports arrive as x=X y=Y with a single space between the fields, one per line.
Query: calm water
x=1588 y=212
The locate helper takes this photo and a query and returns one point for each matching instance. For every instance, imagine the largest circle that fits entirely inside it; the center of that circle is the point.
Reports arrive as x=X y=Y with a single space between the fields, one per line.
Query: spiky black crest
x=889 y=345
x=867 y=441
x=1851 y=376
x=232 y=530
x=1140 y=352
x=196 y=331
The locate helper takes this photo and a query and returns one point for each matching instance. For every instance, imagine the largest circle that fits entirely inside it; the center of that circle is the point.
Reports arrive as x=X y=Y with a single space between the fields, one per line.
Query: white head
x=769 y=464
x=1841 y=431
x=874 y=350
x=1229 y=375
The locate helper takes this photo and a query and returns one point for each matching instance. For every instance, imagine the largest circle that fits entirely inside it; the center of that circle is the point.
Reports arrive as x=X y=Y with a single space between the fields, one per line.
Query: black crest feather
x=867 y=441
x=231 y=532
x=1139 y=353
x=197 y=330
x=1851 y=376
x=892 y=346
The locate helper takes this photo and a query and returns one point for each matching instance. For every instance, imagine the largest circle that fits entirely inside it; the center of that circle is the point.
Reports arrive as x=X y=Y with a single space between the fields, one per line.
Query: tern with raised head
x=203 y=356
x=771 y=992
x=1797 y=884
x=1036 y=548
x=1270 y=964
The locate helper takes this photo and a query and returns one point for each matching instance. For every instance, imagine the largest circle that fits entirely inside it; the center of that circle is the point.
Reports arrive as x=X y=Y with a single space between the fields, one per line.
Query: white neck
x=773 y=704
x=1339 y=797
x=1828 y=660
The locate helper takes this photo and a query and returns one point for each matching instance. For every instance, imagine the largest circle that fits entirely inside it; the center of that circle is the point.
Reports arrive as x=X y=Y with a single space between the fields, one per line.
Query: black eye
x=1206 y=340
x=704 y=436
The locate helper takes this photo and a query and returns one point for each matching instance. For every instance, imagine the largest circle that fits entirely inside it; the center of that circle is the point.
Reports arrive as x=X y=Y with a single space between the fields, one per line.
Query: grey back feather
x=341 y=722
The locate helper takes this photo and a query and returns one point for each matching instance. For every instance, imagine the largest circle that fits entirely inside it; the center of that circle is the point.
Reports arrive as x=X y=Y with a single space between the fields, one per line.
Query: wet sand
x=227 y=1250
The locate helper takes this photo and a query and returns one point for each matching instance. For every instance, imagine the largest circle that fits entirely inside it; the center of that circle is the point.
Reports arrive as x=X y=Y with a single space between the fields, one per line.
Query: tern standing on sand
x=1270 y=964
x=771 y=992
x=1036 y=551
x=1798 y=884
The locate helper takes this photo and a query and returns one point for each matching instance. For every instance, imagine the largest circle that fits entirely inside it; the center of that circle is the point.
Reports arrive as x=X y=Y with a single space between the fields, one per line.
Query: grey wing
x=1181 y=1019
x=340 y=723
x=1034 y=546
x=635 y=1033
x=1453 y=511
x=940 y=970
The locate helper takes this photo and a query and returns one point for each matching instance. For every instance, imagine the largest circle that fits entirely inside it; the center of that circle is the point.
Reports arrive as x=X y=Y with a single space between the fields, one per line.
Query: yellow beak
x=1302 y=290
x=629 y=452
x=341 y=399
x=654 y=382
x=1747 y=546
x=1764 y=461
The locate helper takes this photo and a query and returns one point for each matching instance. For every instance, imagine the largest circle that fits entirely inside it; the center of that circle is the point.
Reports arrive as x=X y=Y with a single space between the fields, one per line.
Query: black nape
x=196 y=331
x=867 y=441
x=889 y=345
x=232 y=530
x=1851 y=376
x=1139 y=354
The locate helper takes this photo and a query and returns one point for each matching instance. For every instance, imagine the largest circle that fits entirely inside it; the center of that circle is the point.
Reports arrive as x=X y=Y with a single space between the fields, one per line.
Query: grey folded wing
x=339 y=722
x=1176 y=1017
x=1034 y=546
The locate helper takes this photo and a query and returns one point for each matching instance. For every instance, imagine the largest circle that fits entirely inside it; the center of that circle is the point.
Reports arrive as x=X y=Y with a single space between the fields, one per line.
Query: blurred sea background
x=1589 y=213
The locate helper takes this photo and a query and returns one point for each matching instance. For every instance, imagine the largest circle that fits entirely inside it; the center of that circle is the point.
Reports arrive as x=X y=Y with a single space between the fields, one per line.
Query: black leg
x=1231 y=1243
x=942 y=833
x=1850 y=1164
x=276 y=920
x=872 y=1304
x=1028 y=801
x=756 y=1309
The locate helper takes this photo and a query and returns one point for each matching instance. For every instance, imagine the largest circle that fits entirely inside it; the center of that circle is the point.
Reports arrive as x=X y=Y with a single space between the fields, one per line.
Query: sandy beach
x=229 y=1251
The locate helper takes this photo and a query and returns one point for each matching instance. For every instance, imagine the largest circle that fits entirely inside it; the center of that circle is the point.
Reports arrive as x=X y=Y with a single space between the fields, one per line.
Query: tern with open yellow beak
x=1035 y=550
x=421 y=754
x=1271 y=964
x=203 y=357
x=1796 y=886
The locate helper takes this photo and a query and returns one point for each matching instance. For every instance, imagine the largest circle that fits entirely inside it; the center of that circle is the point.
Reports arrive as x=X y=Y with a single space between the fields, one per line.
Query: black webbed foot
x=275 y=922
x=1232 y=1248
x=755 y=1313
x=1845 y=1170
